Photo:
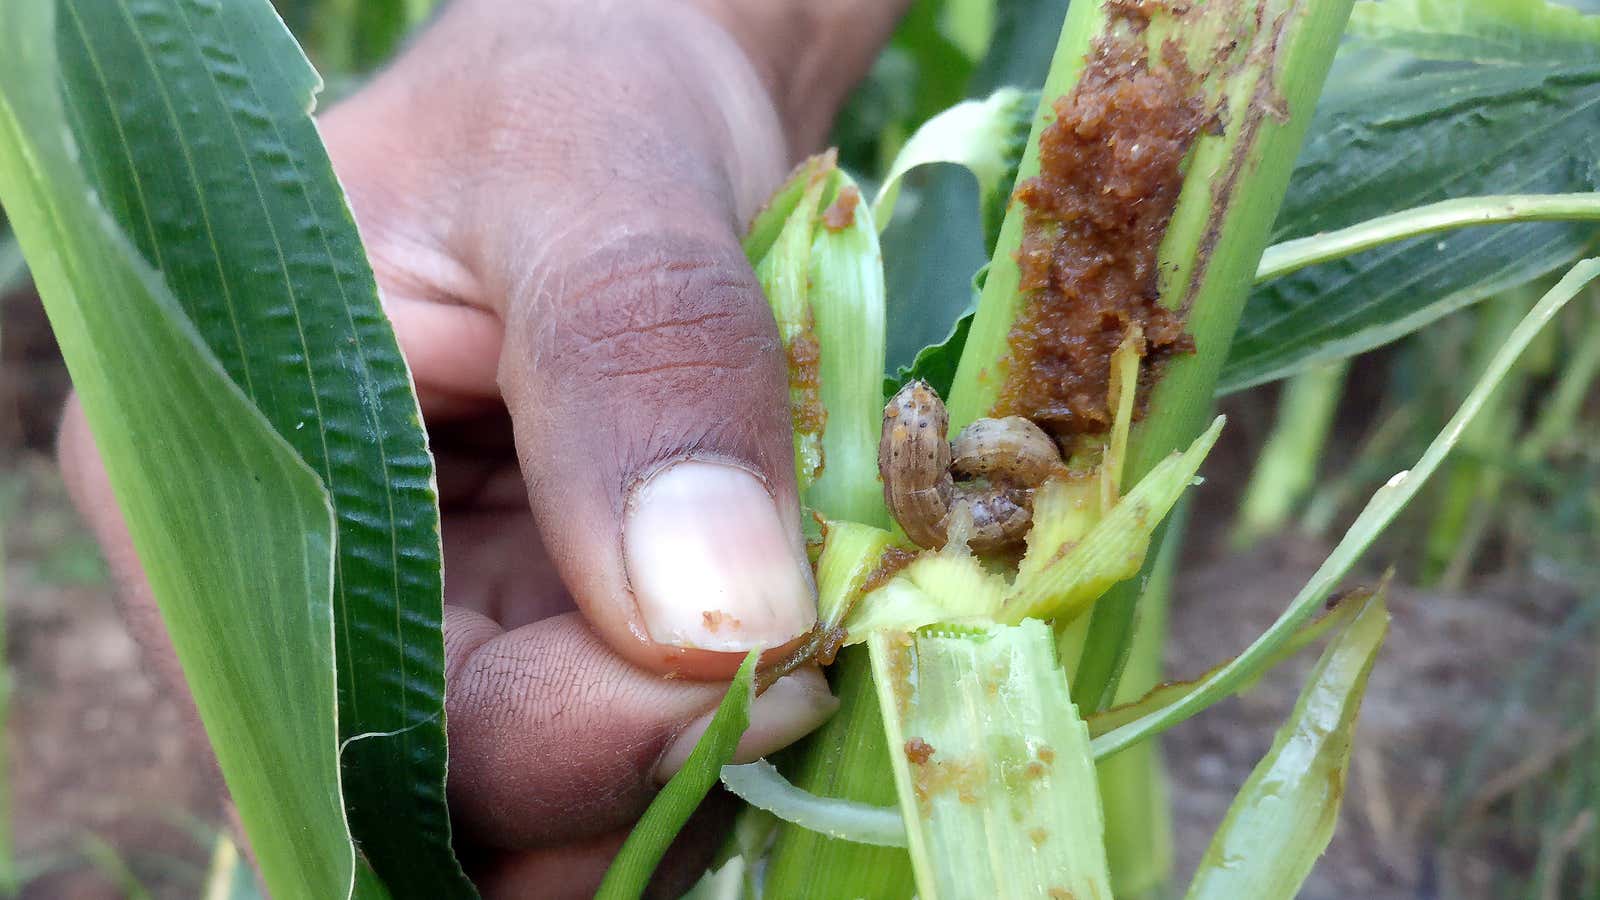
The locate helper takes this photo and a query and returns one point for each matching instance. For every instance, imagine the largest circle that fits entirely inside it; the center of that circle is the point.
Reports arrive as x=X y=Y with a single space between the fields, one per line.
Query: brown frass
x=1110 y=172
x=841 y=213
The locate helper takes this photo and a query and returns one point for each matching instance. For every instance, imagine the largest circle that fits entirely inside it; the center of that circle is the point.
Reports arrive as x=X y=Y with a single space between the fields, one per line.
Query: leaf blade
x=1283 y=817
x=195 y=119
x=1493 y=130
x=197 y=472
x=631 y=869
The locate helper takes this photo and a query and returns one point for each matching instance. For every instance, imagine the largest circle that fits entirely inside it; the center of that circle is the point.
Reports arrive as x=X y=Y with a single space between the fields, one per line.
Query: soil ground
x=1457 y=730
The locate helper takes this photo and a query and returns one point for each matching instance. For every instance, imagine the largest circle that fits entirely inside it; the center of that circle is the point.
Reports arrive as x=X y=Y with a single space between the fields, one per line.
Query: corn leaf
x=1524 y=129
x=1169 y=692
x=761 y=785
x=933 y=249
x=1284 y=816
x=1379 y=512
x=815 y=253
x=1065 y=570
x=630 y=871
x=987 y=137
x=234 y=531
x=991 y=763
x=1496 y=31
x=934 y=588
x=850 y=555
x=194 y=130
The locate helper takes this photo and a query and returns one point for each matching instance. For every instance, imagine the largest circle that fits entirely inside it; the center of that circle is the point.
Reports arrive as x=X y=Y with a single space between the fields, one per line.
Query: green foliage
x=1284 y=815
x=630 y=871
x=1379 y=512
x=1521 y=129
x=234 y=530
x=992 y=763
x=815 y=253
x=192 y=126
x=1524 y=31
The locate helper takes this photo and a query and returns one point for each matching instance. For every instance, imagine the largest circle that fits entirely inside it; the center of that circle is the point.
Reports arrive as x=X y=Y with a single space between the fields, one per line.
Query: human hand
x=552 y=196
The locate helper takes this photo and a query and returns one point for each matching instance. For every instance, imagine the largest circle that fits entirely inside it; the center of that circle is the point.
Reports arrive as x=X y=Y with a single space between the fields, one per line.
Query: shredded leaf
x=992 y=764
x=934 y=588
x=1284 y=816
x=815 y=253
x=1060 y=576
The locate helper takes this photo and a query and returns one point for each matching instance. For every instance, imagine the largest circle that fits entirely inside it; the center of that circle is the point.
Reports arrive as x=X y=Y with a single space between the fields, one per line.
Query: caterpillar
x=1000 y=462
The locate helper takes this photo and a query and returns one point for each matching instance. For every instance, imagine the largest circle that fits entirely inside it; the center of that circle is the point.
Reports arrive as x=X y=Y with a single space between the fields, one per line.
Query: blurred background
x=1477 y=767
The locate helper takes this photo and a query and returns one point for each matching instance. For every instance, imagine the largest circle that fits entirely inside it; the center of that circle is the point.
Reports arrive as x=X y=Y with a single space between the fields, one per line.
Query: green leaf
x=991 y=763
x=193 y=121
x=630 y=871
x=986 y=137
x=929 y=255
x=1379 y=512
x=936 y=363
x=1167 y=693
x=815 y=253
x=1284 y=816
x=234 y=531
x=1065 y=569
x=1496 y=31
x=1491 y=130
x=761 y=785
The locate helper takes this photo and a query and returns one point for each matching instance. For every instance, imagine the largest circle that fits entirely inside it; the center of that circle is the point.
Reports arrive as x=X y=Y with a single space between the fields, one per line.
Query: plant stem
x=1133 y=785
x=1234 y=187
x=846 y=758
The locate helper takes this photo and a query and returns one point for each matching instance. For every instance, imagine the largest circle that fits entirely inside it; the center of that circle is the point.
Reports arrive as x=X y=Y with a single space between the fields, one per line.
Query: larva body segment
x=1012 y=450
x=1006 y=458
x=914 y=462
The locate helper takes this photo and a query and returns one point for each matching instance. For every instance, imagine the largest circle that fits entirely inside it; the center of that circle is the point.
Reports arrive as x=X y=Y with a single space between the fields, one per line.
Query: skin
x=552 y=196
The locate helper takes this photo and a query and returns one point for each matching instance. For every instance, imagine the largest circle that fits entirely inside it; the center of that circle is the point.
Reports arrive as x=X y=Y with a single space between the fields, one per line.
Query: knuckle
x=658 y=319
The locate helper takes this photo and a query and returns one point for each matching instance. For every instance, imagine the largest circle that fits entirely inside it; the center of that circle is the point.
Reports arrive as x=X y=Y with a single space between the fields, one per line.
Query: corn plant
x=1164 y=212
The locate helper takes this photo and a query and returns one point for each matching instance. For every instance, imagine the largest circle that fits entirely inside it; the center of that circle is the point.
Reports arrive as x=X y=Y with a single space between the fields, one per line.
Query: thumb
x=641 y=365
x=647 y=387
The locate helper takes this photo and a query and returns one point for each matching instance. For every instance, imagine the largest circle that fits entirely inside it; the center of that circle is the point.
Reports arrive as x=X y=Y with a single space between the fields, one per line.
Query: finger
x=644 y=375
x=593 y=192
x=554 y=738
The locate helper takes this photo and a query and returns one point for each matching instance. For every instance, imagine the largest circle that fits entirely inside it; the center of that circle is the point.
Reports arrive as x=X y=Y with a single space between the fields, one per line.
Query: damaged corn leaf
x=852 y=555
x=1284 y=816
x=1141 y=103
x=992 y=764
x=815 y=253
x=1485 y=31
x=1062 y=573
x=986 y=136
x=1385 y=504
x=933 y=588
